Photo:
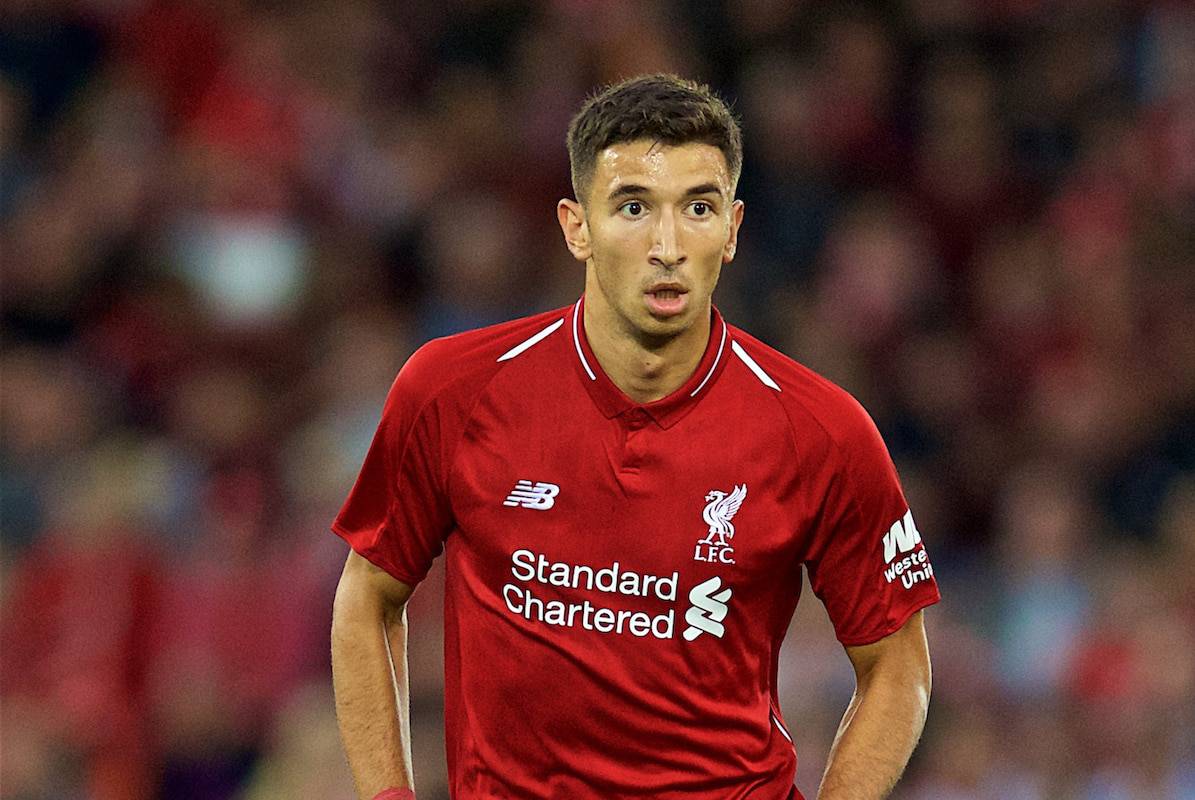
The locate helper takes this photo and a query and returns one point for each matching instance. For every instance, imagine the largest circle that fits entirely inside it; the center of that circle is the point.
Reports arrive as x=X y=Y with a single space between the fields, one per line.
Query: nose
x=665 y=247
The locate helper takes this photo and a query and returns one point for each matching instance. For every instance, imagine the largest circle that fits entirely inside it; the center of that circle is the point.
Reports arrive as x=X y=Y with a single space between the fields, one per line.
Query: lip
x=666 y=307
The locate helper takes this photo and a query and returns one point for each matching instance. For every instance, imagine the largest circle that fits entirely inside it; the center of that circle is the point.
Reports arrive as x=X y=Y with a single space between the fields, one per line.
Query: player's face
x=658 y=225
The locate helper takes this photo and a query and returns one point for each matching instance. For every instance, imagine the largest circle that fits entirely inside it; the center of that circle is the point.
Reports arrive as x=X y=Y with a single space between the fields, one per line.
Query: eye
x=632 y=208
x=702 y=208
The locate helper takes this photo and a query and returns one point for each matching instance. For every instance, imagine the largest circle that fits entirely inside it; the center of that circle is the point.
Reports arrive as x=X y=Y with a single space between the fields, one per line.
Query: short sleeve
x=866 y=561
x=397 y=514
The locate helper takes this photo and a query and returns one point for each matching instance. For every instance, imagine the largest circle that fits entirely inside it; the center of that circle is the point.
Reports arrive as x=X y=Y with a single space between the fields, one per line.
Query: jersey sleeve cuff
x=897 y=623
x=378 y=559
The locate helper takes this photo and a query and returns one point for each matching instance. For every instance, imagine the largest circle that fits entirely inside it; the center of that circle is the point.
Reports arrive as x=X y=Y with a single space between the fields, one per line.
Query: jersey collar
x=666 y=411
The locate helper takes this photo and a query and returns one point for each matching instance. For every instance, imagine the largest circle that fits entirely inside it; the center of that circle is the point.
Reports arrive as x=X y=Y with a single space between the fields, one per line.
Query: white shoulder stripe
x=518 y=349
x=764 y=377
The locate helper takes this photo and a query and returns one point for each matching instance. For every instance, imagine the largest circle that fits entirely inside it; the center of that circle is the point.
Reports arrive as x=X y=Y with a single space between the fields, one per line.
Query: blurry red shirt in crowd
x=74 y=639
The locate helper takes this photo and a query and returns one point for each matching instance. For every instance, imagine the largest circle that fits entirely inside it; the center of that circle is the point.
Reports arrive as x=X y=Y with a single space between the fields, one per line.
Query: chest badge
x=720 y=509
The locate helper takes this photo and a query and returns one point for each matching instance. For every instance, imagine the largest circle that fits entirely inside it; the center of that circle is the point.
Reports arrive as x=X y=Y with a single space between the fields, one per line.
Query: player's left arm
x=884 y=720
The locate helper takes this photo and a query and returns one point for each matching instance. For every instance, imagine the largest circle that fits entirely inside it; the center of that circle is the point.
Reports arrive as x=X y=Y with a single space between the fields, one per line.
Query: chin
x=654 y=327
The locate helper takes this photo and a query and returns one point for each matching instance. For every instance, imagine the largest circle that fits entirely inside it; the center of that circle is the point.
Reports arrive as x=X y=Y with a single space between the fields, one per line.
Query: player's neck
x=644 y=369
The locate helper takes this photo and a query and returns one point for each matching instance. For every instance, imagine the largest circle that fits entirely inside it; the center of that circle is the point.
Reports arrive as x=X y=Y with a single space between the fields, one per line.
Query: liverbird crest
x=720 y=508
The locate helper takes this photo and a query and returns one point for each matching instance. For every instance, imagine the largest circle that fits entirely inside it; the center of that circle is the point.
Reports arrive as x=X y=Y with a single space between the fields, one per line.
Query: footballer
x=625 y=492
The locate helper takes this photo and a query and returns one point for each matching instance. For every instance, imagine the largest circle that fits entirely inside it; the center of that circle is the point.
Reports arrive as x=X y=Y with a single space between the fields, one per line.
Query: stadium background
x=225 y=225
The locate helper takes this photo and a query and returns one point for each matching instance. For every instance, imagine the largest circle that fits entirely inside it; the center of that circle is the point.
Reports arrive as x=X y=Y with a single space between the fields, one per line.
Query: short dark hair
x=664 y=108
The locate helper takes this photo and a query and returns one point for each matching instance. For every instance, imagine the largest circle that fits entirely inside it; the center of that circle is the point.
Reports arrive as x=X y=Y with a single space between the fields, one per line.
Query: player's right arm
x=395 y=520
x=369 y=675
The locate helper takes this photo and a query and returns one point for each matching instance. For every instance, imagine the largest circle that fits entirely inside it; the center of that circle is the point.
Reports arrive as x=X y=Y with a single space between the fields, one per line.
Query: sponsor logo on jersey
x=720 y=508
x=539 y=495
x=708 y=609
x=904 y=555
x=524 y=598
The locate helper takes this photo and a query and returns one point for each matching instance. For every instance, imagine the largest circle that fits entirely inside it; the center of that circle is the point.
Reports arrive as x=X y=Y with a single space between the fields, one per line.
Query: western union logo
x=902 y=536
x=905 y=558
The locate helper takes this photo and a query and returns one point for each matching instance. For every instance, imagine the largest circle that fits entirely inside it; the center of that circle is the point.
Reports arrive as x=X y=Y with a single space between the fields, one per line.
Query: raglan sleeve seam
x=459 y=435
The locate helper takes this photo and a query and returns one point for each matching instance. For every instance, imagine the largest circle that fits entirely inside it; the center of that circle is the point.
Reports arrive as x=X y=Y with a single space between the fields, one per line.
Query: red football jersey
x=620 y=576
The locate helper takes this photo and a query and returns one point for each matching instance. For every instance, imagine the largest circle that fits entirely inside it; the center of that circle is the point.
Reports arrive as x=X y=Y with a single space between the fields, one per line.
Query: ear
x=575 y=228
x=732 y=243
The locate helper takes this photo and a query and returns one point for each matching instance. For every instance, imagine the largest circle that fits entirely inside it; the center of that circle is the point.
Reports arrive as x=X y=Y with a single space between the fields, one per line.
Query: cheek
x=613 y=249
x=708 y=255
x=711 y=243
x=711 y=273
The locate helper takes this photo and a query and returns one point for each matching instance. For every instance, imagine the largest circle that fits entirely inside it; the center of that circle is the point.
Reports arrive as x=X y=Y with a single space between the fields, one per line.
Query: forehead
x=660 y=166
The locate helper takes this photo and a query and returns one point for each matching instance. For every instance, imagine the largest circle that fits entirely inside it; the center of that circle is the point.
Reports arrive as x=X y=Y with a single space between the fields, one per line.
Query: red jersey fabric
x=620 y=576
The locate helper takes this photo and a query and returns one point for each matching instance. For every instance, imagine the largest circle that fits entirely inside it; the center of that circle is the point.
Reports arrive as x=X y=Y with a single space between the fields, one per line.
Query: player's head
x=658 y=108
x=655 y=163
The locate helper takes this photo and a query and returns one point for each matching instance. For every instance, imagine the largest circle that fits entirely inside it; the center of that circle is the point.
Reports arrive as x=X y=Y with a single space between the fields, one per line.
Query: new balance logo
x=708 y=609
x=538 y=495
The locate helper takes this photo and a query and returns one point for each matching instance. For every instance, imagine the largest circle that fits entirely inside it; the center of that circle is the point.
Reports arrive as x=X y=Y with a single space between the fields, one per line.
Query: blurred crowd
x=224 y=224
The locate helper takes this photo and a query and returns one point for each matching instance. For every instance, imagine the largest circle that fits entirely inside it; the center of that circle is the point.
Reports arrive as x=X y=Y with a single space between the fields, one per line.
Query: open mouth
x=666 y=300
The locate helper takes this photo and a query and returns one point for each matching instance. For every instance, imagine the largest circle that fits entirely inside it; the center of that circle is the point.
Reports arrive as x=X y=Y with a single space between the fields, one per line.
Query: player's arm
x=884 y=720
x=369 y=675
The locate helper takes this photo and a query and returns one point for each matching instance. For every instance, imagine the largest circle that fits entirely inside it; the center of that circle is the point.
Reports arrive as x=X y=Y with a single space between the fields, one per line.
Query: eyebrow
x=705 y=188
x=627 y=190
x=634 y=189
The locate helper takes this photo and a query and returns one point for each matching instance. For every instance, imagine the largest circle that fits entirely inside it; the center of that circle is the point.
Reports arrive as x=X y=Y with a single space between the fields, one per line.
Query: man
x=625 y=491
